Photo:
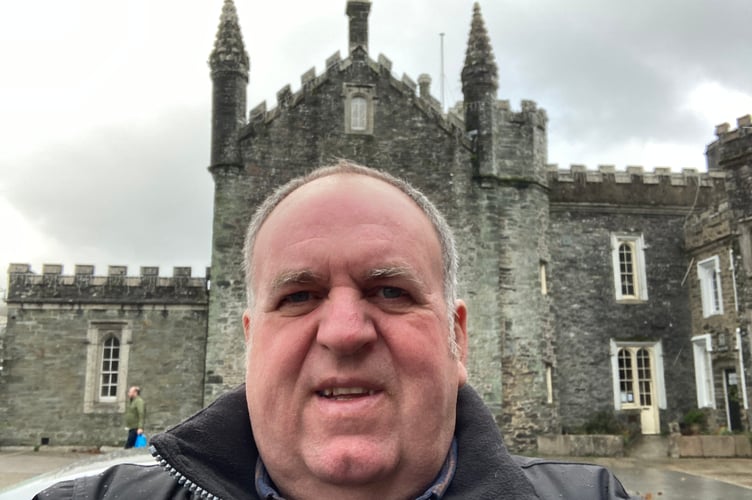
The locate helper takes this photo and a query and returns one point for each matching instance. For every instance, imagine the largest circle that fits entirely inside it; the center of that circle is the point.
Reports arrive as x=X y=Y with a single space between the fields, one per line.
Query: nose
x=345 y=327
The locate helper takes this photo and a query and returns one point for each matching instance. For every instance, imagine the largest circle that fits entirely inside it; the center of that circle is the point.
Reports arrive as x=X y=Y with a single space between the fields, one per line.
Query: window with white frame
x=637 y=370
x=702 y=347
x=628 y=259
x=110 y=368
x=709 y=274
x=107 y=352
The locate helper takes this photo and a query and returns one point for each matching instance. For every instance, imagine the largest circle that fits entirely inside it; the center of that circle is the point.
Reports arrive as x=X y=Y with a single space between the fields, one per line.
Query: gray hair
x=443 y=231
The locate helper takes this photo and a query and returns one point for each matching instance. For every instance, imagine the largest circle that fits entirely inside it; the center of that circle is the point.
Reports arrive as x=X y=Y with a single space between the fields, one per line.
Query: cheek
x=275 y=355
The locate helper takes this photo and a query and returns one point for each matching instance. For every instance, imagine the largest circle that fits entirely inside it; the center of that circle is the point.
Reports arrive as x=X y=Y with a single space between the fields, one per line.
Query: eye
x=392 y=292
x=298 y=303
x=297 y=297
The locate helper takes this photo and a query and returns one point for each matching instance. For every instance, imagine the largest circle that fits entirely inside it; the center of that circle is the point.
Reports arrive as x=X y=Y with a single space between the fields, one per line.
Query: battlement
x=528 y=111
x=310 y=81
x=632 y=175
x=84 y=287
x=729 y=144
x=685 y=190
x=744 y=127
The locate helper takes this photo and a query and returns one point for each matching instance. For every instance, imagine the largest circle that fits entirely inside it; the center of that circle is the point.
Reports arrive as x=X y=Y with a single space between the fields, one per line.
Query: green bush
x=695 y=416
x=603 y=422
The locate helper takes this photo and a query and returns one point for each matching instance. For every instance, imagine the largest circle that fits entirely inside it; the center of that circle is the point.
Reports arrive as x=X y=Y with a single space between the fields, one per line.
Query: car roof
x=84 y=467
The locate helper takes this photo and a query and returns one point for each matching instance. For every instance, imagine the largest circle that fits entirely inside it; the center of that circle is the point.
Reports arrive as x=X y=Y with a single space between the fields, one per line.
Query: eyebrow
x=307 y=277
x=396 y=272
x=287 y=278
x=389 y=272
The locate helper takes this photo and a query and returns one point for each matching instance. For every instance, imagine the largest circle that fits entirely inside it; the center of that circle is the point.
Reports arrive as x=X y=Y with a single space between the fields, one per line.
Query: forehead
x=366 y=196
x=342 y=202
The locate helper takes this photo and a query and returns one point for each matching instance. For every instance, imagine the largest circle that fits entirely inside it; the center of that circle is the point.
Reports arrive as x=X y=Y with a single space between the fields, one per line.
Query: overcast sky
x=105 y=104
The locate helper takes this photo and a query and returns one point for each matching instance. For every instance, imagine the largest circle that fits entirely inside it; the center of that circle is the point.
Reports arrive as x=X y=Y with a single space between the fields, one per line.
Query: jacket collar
x=215 y=449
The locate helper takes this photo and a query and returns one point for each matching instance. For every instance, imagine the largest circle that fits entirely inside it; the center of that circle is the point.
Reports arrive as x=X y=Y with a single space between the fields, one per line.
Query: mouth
x=345 y=393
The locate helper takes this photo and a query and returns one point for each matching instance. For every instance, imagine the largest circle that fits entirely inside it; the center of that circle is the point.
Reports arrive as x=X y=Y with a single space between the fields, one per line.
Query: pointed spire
x=480 y=64
x=229 y=51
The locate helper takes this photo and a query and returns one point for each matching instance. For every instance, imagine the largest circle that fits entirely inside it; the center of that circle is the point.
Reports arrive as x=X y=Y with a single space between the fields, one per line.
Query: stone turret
x=230 y=68
x=357 y=11
x=479 y=85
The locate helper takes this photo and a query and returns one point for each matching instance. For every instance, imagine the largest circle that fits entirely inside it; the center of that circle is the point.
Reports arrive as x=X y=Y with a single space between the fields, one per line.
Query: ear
x=247 y=325
x=460 y=335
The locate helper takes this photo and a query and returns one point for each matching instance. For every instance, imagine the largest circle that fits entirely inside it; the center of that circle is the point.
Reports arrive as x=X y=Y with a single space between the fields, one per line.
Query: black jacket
x=213 y=455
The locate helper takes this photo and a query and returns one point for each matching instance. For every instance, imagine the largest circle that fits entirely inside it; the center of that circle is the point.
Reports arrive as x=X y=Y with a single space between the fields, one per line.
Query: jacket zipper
x=183 y=481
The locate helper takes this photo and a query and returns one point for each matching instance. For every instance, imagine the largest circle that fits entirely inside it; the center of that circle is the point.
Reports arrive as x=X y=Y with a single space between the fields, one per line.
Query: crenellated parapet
x=730 y=144
x=528 y=114
x=311 y=82
x=51 y=286
x=634 y=186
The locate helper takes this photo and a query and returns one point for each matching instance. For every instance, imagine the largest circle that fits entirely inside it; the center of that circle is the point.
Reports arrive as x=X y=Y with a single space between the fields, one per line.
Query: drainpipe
x=742 y=375
x=732 y=268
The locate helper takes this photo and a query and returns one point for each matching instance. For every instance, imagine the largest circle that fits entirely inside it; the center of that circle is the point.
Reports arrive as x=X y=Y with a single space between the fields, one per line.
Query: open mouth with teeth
x=344 y=393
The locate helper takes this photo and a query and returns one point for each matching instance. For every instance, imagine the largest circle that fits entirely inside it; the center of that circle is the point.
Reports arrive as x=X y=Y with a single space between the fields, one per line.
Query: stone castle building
x=589 y=290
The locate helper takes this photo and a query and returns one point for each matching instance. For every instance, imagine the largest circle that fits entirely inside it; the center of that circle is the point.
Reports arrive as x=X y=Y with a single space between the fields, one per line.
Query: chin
x=355 y=464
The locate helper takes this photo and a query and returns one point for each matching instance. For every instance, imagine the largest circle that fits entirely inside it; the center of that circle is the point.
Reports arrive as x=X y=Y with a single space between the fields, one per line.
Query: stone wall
x=587 y=315
x=43 y=385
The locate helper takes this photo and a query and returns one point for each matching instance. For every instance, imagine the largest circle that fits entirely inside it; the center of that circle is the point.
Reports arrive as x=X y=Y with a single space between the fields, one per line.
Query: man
x=134 y=416
x=356 y=380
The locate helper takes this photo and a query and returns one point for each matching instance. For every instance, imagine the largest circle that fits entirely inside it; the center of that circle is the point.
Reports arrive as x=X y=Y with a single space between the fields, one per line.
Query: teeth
x=346 y=391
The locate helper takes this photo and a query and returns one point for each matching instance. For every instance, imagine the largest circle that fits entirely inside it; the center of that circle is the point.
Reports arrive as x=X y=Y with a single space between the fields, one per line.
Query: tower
x=479 y=85
x=509 y=162
x=229 y=73
x=230 y=68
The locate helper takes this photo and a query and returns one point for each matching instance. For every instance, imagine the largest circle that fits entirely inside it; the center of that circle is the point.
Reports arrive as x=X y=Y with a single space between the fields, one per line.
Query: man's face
x=350 y=380
x=132 y=392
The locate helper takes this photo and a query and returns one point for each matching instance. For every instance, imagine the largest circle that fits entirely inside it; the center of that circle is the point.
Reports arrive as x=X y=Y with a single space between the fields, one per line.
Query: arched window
x=359 y=101
x=626 y=380
x=358 y=113
x=627 y=269
x=635 y=376
x=107 y=354
x=110 y=367
x=630 y=276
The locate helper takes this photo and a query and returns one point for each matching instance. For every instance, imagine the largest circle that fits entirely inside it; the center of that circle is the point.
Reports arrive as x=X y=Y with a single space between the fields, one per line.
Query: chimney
x=357 y=11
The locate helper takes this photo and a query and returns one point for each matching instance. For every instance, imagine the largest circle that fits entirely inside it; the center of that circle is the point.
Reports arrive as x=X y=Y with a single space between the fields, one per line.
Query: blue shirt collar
x=266 y=489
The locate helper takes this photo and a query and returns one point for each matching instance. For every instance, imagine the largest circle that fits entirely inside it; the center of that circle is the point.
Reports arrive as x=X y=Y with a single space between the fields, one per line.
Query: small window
x=359 y=102
x=543 y=279
x=358 y=113
x=630 y=279
x=709 y=274
x=549 y=383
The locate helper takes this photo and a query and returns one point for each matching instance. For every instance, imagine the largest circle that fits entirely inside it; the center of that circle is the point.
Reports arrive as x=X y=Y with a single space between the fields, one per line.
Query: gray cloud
x=140 y=191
